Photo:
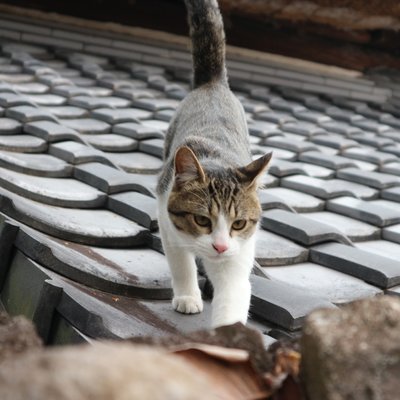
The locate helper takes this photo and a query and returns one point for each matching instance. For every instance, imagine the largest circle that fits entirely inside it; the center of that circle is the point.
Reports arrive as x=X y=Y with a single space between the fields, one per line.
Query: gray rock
x=353 y=363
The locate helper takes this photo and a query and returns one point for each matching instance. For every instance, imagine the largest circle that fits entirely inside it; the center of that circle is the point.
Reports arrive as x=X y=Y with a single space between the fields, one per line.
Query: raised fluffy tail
x=208 y=41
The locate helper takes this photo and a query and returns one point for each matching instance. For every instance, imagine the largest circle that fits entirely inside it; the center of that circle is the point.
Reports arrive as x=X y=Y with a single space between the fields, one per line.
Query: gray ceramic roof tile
x=369 y=155
x=137 y=163
x=273 y=249
x=86 y=125
x=31 y=88
x=76 y=153
x=341 y=128
x=263 y=129
x=281 y=168
x=335 y=141
x=300 y=228
x=269 y=201
x=155 y=104
x=98 y=102
x=392 y=233
x=154 y=147
x=8 y=99
x=297 y=201
x=376 y=180
x=275 y=117
x=93 y=227
x=381 y=247
x=136 y=207
x=302 y=128
x=28 y=114
x=282 y=304
x=67 y=112
x=392 y=194
x=280 y=104
x=61 y=192
x=327 y=189
x=161 y=126
x=108 y=179
x=117 y=271
x=325 y=283
x=372 y=140
x=112 y=142
x=395 y=149
x=137 y=131
x=51 y=131
x=381 y=271
x=326 y=160
x=9 y=126
x=163 y=115
x=35 y=164
x=120 y=115
x=311 y=116
x=47 y=99
x=298 y=146
x=370 y=125
x=353 y=229
x=342 y=115
x=364 y=211
x=22 y=143
x=315 y=170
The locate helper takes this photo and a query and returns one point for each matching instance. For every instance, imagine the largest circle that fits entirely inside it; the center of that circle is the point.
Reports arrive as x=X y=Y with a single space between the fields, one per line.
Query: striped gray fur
x=210 y=120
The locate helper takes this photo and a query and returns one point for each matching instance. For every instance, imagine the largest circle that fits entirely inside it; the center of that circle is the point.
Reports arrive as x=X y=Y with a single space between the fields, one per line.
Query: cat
x=207 y=190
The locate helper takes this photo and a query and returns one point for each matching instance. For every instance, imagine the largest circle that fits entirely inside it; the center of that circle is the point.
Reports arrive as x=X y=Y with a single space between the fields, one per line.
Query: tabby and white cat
x=207 y=191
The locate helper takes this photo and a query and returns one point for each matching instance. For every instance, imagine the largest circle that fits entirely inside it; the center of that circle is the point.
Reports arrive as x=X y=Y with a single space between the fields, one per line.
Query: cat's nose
x=220 y=247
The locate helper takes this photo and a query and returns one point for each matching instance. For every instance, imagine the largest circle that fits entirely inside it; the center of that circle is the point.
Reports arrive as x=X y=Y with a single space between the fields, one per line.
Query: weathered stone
x=353 y=362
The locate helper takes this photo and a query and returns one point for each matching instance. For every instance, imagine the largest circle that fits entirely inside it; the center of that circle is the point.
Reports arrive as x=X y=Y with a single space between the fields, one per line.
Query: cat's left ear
x=251 y=174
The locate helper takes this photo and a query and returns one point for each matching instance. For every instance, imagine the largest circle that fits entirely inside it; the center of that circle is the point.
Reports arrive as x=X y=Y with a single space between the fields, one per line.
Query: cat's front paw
x=188 y=304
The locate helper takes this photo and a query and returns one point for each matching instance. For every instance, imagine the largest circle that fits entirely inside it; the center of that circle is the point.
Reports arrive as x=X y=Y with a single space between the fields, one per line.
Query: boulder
x=353 y=352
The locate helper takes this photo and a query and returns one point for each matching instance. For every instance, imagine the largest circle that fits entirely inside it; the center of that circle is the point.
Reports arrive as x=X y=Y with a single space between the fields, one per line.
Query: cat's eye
x=239 y=224
x=202 y=220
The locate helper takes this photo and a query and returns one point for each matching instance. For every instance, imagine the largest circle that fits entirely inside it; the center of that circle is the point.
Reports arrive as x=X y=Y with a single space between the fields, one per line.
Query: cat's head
x=215 y=210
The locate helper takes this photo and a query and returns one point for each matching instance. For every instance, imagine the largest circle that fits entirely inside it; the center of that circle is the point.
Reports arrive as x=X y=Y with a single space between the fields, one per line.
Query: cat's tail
x=208 y=42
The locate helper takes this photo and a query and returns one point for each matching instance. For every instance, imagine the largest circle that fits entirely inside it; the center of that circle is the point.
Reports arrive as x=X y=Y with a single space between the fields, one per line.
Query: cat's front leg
x=232 y=291
x=187 y=296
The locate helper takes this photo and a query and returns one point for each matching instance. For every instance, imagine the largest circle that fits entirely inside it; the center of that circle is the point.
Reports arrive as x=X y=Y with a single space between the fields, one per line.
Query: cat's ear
x=187 y=166
x=251 y=174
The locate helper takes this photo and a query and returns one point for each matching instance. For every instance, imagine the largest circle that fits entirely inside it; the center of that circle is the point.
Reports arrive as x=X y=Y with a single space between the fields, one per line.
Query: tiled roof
x=81 y=134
